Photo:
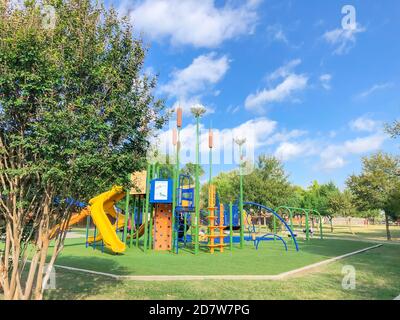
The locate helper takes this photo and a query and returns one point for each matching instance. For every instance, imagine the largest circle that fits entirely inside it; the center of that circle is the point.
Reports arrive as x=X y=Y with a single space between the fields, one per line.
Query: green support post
x=151 y=226
x=230 y=226
x=197 y=189
x=153 y=176
x=138 y=221
x=132 y=222
x=184 y=230
x=320 y=228
x=174 y=187
x=274 y=219
x=87 y=230
x=126 y=216
x=241 y=199
x=291 y=222
x=307 y=227
x=146 y=210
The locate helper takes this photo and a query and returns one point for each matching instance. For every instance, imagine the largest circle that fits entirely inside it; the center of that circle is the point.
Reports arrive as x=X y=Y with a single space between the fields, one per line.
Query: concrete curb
x=280 y=276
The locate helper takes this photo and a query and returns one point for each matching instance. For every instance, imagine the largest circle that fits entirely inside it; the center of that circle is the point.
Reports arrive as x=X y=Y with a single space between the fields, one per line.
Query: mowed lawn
x=269 y=259
x=377 y=277
x=371 y=232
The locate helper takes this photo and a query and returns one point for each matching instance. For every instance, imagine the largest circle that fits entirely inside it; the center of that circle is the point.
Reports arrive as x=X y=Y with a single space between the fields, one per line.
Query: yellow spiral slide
x=100 y=207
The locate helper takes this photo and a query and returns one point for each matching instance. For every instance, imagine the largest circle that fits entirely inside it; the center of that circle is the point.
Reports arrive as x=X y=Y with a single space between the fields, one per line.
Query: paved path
x=280 y=276
x=397 y=298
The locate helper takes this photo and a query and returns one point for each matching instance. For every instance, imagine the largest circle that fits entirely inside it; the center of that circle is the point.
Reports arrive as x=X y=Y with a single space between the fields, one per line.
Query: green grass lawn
x=270 y=258
x=377 y=271
x=377 y=232
x=377 y=277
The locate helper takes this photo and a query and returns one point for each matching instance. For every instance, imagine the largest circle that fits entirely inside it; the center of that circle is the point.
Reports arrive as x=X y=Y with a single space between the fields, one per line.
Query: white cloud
x=333 y=156
x=334 y=163
x=287 y=151
x=373 y=89
x=281 y=92
x=205 y=70
x=192 y=22
x=364 y=124
x=276 y=33
x=285 y=136
x=325 y=80
x=256 y=131
x=187 y=104
x=343 y=39
x=284 y=71
x=290 y=83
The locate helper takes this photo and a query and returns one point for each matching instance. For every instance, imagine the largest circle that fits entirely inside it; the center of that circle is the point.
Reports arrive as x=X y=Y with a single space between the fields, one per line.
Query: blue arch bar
x=278 y=216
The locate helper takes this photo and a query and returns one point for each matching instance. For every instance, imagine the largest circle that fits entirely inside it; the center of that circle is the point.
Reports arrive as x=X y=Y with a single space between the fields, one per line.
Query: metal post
x=94 y=237
x=291 y=221
x=127 y=196
x=185 y=227
x=241 y=199
x=146 y=210
x=132 y=222
x=307 y=227
x=230 y=226
x=154 y=172
x=87 y=230
x=197 y=189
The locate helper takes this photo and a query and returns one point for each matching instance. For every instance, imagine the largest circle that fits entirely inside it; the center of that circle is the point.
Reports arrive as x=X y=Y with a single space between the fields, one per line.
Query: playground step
x=216 y=245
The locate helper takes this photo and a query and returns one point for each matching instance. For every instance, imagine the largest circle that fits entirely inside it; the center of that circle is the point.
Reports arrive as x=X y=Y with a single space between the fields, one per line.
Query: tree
x=267 y=184
x=190 y=170
x=341 y=204
x=394 y=129
x=376 y=188
x=76 y=117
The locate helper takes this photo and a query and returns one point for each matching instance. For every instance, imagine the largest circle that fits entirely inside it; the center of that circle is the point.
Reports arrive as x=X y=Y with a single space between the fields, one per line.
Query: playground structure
x=162 y=213
x=291 y=213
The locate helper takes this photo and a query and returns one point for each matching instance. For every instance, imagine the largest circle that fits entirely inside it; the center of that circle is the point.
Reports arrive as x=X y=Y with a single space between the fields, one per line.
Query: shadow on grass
x=73 y=285
x=331 y=247
x=93 y=263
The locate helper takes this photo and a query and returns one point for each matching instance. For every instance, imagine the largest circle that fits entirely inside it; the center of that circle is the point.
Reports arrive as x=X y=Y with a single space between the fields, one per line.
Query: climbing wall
x=163 y=227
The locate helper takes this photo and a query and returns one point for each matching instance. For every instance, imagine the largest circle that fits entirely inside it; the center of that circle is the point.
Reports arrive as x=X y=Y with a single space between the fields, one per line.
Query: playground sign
x=161 y=191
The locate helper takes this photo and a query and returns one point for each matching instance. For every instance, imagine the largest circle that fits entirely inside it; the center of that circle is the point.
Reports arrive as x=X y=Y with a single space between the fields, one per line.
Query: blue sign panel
x=161 y=191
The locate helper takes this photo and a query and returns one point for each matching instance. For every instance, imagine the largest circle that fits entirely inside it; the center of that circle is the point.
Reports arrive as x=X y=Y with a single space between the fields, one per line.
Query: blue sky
x=284 y=73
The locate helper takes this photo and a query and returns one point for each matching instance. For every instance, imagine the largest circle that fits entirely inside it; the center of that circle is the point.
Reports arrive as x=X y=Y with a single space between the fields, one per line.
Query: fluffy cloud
x=279 y=93
x=364 y=124
x=289 y=150
x=343 y=39
x=203 y=72
x=192 y=22
x=333 y=157
x=256 y=131
x=325 y=80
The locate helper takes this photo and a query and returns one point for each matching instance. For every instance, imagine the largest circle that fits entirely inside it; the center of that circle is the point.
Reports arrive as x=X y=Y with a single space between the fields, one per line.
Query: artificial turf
x=269 y=259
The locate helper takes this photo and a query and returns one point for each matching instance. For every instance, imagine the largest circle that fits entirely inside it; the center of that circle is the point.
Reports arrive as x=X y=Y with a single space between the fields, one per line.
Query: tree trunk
x=389 y=236
x=350 y=227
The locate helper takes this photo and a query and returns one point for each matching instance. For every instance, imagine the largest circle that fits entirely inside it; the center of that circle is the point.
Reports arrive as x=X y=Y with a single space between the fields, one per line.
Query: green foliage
x=376 y=188
x=73 y=100
x=341 y=204
x=394 y=129
x=267 y=183
x=190 y=170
